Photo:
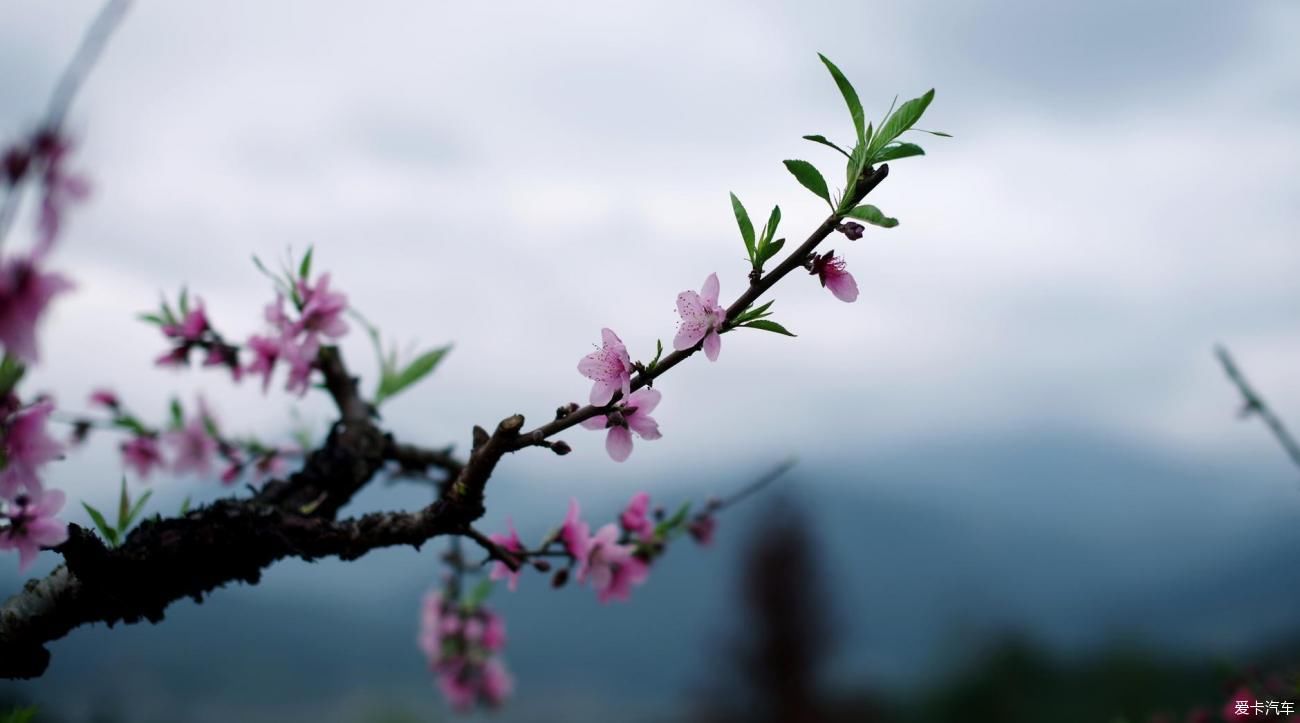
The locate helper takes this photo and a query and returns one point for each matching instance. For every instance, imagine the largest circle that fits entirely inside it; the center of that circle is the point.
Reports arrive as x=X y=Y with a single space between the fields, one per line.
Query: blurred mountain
x=1076 y=543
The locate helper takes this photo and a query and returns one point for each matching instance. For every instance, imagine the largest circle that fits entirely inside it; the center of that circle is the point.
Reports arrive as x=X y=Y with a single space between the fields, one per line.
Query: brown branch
x=413 y=458
x=1255 y=404
x=494 y=551
x=796 y=260
x=165 y=560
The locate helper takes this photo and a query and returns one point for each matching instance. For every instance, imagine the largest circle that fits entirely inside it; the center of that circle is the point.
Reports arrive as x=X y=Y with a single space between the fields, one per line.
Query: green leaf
x=810 y=177
x=825 y=142
x=761 y=254
x=184 y=302
x=668 y=525
x=850 y=98
x=304 y=269
x=392 y=384
x=941 y=134
x=185 y=504
x=872 y=215
x=127 y=421
x=139 y=506
x=772 y=249
x=753 y=313
x=107 y=531
x=768 y=325
x=19 y=715
x=894 y=151
x=177 y=414
x=904 y=118
x=151 y=318
x=746 y=226
x=11 y=371
x=123 y=508
x=477 y=595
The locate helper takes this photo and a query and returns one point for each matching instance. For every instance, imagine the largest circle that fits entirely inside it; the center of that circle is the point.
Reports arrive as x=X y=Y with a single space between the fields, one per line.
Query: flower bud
x=853 y=231
x=560 y=578
x=542 y=565
x=561 y=447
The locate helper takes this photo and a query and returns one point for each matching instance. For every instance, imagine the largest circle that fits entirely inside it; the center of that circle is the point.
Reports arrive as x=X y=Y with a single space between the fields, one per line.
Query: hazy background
x=1018 y=425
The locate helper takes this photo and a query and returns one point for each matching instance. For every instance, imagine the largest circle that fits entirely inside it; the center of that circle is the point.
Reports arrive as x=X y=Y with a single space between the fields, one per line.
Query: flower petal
x=712 y=345
x=709 y=292
x=843 y=286
x=619 y=443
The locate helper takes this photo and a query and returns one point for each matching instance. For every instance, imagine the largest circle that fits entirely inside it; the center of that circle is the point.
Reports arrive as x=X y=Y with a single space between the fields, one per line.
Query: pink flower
x=301 y=359
x=610 y=367
x=105 y=398
x=25 y=292
x=142 y=455
x=831 y=270
x=222 y=355
x=457 y=687
x=574 y=533
x=234 y=468
x=702 y=318
x=195 y=448
x=512 y=544
x=632 y=416
x=177 y=357
x=26 y=446
x=497 y=682
x=494 y=631
x=701 y=529
x=191 y=327
x=322 y=309
x=275 y=315
x=265 y=352
x=612 y=568
x=430 y=637
x=634 y=518
x=32 y=526
x=58 y=187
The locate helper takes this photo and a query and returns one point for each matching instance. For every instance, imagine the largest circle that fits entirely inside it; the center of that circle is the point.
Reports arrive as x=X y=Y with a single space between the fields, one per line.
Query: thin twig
x=1255 y=404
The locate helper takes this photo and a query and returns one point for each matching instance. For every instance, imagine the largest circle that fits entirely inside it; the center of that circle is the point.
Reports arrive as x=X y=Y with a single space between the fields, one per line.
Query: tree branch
x=1255 y=404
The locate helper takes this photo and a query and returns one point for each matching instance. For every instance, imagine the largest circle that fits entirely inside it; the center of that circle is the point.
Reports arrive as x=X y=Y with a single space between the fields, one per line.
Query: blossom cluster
x=190 y=446
x=27 y=509
x=703 y=321
x=463 y=643
x=617 y=556
x=293 y=338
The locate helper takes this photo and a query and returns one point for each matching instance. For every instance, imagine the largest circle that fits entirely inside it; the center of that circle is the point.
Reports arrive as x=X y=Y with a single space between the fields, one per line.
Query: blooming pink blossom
x=301 y=359
x=609 y=367
x=635 y=518
x=234 y=468
x=275 y=316
x=574 y=533
x=265 y=353
x=223 y=355
x=194 y=447
x=142 y=454
x=59 y=187
x=322 y=309
x=25 y=292
x=701 y=529
x=497 y=683
x=632 y=416
x=457 y=687
x=190 y=328
x=511 y=543
x=831 y=270
x=612 y=568
x=176 y=357
x=27 y=446
x=702 y=318
x=32 y=525
x=105 y=398
x=430 y=635
x=494 y=631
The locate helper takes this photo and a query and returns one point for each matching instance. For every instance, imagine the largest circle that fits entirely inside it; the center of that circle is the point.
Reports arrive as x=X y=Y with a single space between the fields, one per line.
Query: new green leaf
x=902 y=119
x=105 y=529
x=872 y=215
x=768 y=325
x=392 y=384
x=746 y=226
x=850 y=98
x=810 y=177
x=825 y=142
x=894 y=151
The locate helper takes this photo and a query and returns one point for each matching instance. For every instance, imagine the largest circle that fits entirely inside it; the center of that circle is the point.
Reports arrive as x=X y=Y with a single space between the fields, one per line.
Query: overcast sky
x=1119 y=194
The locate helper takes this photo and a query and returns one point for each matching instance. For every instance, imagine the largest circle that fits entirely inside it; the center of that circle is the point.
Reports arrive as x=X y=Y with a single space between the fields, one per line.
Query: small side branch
x=1253 y=404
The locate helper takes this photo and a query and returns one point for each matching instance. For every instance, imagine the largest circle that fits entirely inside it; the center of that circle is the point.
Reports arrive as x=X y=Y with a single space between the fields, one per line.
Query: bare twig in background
x=1253 y=404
